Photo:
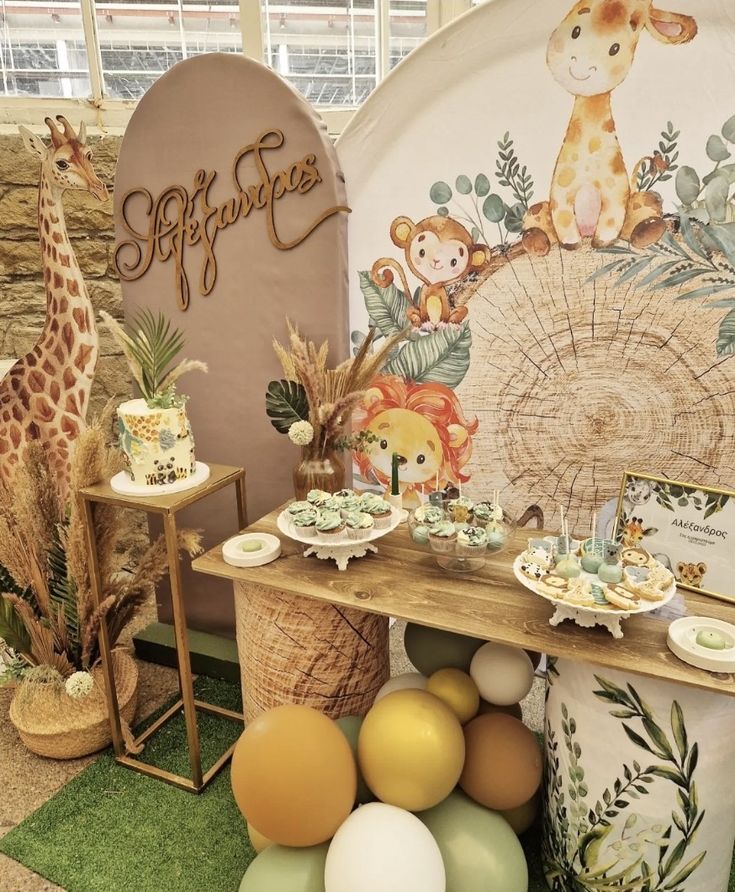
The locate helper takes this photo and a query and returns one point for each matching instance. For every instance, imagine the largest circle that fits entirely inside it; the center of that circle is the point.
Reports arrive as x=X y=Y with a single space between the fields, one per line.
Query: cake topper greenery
x=47 y=614
x=313 y=404
x=150 y=345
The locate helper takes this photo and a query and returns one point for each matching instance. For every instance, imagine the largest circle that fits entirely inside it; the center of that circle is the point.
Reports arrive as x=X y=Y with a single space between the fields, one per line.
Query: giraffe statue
x=590 y=54
x=45 y=395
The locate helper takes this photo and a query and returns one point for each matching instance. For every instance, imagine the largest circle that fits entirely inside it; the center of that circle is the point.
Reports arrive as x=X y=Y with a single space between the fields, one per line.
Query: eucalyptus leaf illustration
x=728 y=129
x=463 y=185
x=482 y=185
x=590 y=847
x=442 y=356
x=286 y=403
x=386 y=306
x=688 y=185
x=716 y=148
x=493 y=208
x=440 y=193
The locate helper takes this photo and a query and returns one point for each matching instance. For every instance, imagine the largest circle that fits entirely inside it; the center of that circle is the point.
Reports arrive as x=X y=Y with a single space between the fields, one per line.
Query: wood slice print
x=573 y=379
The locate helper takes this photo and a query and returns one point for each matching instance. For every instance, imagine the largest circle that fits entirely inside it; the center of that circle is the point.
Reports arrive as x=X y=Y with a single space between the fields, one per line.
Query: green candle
x=395 y=462
x=711 y=639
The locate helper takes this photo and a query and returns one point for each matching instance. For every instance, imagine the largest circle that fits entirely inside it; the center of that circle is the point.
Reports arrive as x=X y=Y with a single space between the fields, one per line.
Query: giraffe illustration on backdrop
x=45 y=395
x=590 y=54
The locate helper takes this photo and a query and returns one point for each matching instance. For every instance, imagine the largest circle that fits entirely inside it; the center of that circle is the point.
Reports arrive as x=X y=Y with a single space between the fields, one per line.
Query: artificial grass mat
x=114 y=830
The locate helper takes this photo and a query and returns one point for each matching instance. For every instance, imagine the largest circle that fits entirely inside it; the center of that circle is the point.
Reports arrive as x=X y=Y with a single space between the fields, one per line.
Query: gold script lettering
x=177 y=218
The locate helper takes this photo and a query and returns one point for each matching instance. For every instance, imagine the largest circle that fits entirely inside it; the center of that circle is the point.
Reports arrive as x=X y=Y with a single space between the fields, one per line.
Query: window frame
x=106 y=115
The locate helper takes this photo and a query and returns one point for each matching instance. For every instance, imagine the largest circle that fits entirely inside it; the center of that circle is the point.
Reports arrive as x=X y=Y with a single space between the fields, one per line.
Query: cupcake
x=305 y=523
x=344 y=494
x=460 y=509
x=298 y=507
x=348 y=504
x=330 y=503
x=428 y=514
x=471 y=542
x=317 y=497
x=443 y=537
x=484 y=512
x=380 y=511
x=358 y=524
x=329 y=523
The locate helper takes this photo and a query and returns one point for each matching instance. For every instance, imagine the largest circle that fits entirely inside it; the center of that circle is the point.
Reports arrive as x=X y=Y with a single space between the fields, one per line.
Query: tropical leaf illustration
x=285 y=403
x=386 y=306
x=442 y=356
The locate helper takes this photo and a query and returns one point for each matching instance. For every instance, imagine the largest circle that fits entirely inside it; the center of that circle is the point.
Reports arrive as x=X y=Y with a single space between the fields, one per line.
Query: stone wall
x=89 y=223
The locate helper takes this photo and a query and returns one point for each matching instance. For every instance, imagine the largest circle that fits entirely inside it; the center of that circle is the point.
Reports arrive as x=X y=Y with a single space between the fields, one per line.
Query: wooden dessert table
x=405 y=582
x=638 y=744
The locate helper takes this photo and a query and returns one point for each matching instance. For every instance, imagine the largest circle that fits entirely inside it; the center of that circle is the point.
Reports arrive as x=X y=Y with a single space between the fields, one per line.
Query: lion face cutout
x=422 y=423
x=691 y=574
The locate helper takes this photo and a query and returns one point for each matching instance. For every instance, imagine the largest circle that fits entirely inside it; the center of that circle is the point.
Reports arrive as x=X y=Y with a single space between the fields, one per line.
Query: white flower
x=79 y=685
x=301 y=433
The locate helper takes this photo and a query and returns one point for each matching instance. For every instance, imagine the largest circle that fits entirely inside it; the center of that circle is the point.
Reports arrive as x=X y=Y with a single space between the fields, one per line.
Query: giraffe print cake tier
x=157 y=443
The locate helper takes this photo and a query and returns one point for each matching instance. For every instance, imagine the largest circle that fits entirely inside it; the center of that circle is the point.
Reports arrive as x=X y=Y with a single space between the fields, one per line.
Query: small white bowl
x=234 y=555
x=682 y=640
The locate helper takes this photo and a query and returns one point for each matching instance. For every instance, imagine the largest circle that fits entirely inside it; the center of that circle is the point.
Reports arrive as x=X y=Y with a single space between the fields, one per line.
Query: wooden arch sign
x=230 y=216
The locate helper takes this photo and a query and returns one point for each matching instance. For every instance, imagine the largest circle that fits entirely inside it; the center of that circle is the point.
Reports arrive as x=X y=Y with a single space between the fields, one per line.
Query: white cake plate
x=339 y=548
x=588 y=617
x=234 y=555
x=126 y=487
x=682 y=640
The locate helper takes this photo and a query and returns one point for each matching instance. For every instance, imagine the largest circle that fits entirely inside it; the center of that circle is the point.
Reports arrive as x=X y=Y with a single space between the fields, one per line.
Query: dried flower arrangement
x=150 y=346
x=47 y=615
x=313 y=404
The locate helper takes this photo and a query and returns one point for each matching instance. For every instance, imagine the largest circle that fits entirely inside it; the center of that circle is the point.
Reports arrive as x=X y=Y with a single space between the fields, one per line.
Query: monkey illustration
x=438 y=251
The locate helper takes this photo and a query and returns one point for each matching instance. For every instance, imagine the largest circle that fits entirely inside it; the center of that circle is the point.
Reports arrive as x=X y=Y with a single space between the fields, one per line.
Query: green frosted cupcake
x=443 y=537
x=428 y=514
x=380 y=511
x=483 y=512
x=305 y=522
x=359 y=524
x=298 y=507
x=329 y=523
x=317 y=497
x=471 y=542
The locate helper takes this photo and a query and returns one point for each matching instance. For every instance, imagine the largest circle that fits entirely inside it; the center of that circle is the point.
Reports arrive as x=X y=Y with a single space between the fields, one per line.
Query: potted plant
x=47 y=614
x=312 y=405
x=154 y=430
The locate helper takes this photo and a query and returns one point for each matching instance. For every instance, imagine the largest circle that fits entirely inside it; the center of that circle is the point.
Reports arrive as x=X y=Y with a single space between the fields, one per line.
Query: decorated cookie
x=622 y=598
x=540 y=556
x=635 y=557
x=553 y=585
x=579 y=593
x=533 y=571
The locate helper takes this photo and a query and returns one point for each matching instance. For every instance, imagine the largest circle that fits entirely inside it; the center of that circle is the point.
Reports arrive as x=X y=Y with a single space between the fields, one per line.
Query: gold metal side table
x=167 y=506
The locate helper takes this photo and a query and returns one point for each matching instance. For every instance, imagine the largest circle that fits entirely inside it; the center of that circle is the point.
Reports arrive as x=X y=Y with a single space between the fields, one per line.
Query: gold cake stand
x=167 y=506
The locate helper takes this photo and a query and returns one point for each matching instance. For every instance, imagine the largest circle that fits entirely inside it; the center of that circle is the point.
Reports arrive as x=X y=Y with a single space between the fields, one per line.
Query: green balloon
x=481 y=852
x=287 y=870
x=432 y=649
x=350 y=726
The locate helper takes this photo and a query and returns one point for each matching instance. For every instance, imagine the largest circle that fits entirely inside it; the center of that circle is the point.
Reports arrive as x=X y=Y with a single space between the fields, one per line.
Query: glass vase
x=324 y=471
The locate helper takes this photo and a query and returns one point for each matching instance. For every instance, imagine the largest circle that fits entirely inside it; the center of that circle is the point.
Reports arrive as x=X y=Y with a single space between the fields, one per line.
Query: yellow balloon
x=457 y=690
x=411 y=750
x=257 y=840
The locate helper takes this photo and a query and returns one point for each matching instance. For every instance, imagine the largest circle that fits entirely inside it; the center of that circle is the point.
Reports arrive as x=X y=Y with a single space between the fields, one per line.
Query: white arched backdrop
x=562 y=375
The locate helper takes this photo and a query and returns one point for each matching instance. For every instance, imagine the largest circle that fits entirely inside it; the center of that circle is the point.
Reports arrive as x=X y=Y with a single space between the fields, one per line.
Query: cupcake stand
x=639 y=745
x=338 y=548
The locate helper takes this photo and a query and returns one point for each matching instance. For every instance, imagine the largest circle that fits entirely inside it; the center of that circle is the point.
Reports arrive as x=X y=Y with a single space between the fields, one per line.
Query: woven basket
x=298 y=650
x=52 y=724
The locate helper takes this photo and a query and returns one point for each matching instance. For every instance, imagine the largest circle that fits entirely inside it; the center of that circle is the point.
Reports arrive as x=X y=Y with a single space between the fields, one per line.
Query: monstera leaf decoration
x=285 y=403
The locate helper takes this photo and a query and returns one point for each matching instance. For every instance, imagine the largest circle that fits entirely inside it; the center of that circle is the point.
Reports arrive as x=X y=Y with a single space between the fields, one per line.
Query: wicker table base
x=297 y=650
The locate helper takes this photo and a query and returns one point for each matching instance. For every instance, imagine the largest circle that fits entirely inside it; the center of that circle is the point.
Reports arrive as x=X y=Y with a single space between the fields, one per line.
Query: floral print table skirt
x=640 y=783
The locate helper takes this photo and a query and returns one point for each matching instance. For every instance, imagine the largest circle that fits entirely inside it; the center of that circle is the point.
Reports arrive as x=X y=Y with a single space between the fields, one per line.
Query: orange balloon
x=502 y=768
x=294 y=776
x=411 y=750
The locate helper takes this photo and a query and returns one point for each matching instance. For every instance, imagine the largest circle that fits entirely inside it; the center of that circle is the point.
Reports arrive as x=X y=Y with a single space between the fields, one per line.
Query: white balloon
x=381 y=848
x=503 y=674
x=401 y=682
